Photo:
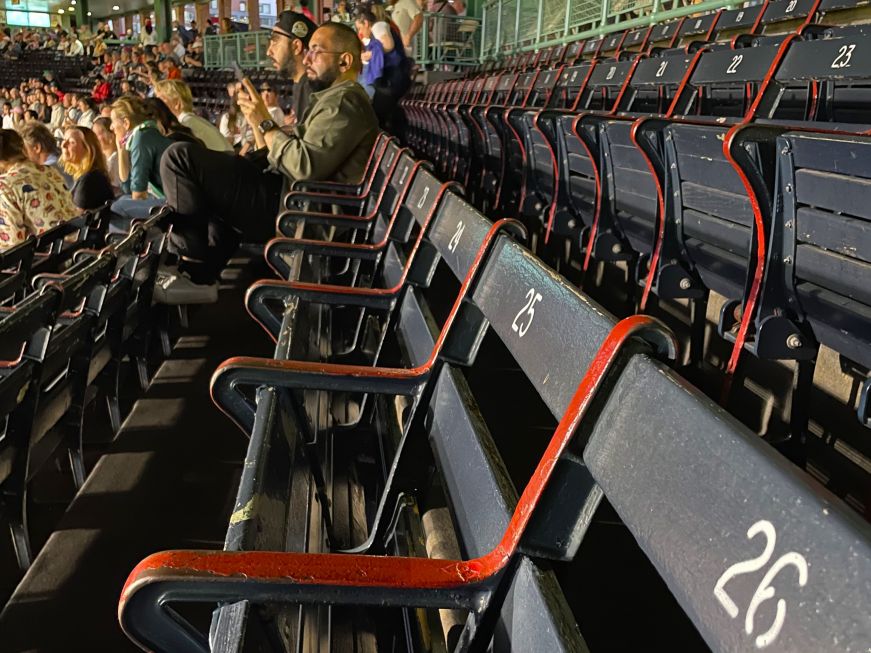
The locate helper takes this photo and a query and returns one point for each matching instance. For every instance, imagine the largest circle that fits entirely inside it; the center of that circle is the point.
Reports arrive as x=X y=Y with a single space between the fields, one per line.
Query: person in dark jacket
x=84 y=161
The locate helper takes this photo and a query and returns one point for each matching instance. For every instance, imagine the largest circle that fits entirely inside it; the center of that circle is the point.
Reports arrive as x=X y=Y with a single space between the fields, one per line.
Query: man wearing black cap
x=287 y=48
x=214 y=192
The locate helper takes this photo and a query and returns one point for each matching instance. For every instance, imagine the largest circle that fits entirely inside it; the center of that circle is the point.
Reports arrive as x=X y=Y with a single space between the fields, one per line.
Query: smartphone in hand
x=240 y=74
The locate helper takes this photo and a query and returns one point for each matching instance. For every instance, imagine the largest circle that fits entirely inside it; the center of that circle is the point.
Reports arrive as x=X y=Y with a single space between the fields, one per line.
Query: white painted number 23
x=764 y=591
x=525 y=316
x=845 y=53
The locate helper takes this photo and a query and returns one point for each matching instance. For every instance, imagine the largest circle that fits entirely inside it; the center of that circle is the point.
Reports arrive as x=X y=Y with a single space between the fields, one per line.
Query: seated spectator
x=33 y=198
x=168 y=124
x=41 y=148
x=75 y=48
x=140 y=146
x=170 y=68
x=106 y=137
x=102 y=90
x=177 y=96
x=270 y=99
x=332 y=143
x=194 y=56
x=31 y=116
x=233 y=126
x=7 y=116
x=341 y=13
x=177 y=48
x=87 y=112
x=56 y=112
x=83 y=160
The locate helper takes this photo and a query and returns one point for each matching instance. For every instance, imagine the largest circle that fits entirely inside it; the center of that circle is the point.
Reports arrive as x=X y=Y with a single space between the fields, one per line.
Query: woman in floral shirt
x=33 y=198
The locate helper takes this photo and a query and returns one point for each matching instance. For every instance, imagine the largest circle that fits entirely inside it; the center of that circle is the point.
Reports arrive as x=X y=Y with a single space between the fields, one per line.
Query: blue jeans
x=128 y=209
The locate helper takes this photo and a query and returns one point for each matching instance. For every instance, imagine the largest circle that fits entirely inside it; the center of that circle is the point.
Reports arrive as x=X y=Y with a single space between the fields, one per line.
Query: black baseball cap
x=292 y=23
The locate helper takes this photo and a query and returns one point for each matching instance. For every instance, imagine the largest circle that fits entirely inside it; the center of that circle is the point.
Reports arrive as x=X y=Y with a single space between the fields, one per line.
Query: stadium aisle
x=167 y=481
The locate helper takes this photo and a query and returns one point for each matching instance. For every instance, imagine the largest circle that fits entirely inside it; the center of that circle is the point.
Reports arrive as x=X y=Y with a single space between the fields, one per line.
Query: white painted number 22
x=764 y=591
x=525 y=316
x=733 y=67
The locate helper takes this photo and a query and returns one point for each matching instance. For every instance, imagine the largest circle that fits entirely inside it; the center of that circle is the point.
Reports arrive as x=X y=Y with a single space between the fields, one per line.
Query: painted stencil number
x=791 y=6
x=764 y=591
x=525 y=316
x=455 y=239
x=423 y=197
x=610 y=74
x=733 y=67
x=662 y=67
x=845 y=53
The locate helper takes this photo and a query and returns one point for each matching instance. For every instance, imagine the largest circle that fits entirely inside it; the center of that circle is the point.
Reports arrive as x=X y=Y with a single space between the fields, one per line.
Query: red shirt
x=174 y=73
x=102 y=92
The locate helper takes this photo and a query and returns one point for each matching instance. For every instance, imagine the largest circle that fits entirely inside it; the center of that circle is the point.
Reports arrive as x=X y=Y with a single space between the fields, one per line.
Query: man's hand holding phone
x=252 y=105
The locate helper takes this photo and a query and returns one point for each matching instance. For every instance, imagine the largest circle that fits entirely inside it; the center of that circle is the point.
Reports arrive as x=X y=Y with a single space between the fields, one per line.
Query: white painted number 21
x=525 y=316
x=764 y=591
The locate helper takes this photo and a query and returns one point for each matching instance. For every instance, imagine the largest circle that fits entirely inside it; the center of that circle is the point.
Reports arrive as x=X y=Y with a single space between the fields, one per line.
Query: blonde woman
x=84 y=160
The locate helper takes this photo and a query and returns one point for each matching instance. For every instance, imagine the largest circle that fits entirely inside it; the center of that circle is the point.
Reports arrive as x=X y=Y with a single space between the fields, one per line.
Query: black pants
x=216 y=194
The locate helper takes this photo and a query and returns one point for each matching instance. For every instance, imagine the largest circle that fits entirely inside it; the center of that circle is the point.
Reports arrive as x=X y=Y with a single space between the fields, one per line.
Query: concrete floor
x=166 y=481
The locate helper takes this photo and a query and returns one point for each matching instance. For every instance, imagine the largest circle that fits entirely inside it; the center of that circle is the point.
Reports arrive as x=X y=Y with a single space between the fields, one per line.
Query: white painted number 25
x=764 y=591
x=525 y=316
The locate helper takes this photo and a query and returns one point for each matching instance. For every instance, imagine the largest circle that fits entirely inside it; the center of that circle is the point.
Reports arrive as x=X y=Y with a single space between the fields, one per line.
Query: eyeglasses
x=314 y=53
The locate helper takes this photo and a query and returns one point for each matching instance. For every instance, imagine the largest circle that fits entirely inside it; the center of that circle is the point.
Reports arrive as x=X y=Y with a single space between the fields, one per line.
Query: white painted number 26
x=525 y=316
x=764 y=591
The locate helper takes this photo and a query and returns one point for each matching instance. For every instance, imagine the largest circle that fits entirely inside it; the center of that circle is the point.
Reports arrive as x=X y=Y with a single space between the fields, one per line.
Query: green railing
x=510 y=26
x=248 y=49
x=446 y=40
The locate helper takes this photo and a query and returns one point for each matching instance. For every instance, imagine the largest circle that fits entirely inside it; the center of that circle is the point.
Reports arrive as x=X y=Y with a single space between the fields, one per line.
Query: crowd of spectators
x=136 y=141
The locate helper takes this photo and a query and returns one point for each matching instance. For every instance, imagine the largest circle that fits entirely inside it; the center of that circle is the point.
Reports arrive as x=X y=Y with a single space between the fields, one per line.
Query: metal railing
x=248 y=49
x=447 y=41
x=510 y=26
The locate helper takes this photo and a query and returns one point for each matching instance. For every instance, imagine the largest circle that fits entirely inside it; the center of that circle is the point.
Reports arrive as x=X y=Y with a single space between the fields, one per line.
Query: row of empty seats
x=717 y=154
x=73 y=308
x=445 y=422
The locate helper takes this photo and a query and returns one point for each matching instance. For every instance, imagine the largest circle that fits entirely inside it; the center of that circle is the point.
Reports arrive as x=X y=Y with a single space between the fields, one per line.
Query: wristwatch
x=268 y=125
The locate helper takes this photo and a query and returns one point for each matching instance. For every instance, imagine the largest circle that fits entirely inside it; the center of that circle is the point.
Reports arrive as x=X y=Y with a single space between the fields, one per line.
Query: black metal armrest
x=263 y=294
x=241 y=372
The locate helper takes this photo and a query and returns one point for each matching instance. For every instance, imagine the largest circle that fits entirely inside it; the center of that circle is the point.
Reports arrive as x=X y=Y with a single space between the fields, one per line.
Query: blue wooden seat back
x=758 y=555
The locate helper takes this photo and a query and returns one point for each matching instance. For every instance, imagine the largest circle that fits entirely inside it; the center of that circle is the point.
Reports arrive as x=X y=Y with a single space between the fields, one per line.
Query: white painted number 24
x=764 y=591
x=525 y=316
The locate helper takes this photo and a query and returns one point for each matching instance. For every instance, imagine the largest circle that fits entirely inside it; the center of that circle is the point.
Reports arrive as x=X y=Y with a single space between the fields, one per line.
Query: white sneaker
x=175 y=288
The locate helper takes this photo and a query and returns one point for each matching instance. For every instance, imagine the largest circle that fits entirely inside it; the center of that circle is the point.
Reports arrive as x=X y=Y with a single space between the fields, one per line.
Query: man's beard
x=324 y=81
x=288 y=68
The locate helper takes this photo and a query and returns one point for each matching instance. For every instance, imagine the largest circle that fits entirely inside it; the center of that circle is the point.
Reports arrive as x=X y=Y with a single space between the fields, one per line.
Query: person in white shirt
x=76 y=48
x=178 y=48
x=87 y=112
x=56 y=115
x=233 y=125
x=177 y=96
x=8 y=122
x=408 y=17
